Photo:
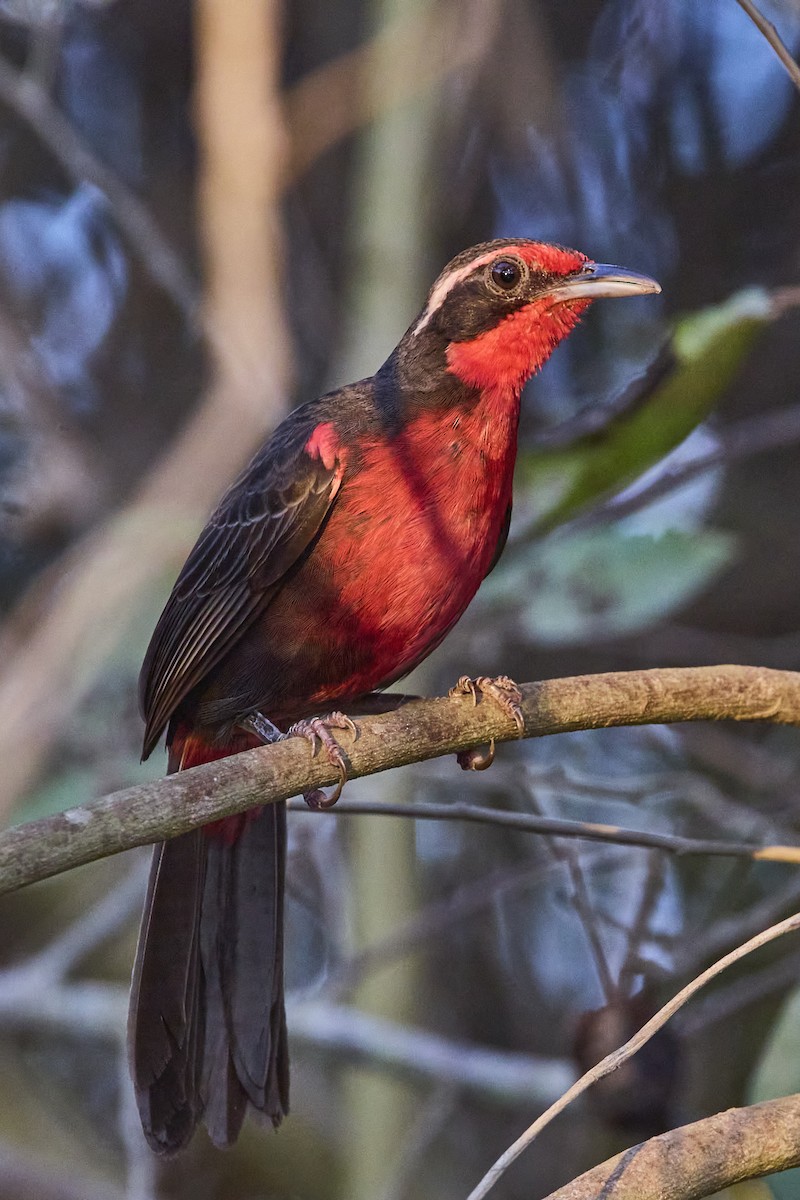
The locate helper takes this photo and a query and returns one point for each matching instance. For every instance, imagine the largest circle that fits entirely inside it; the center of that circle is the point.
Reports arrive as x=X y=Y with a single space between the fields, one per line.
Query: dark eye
x=506 y=274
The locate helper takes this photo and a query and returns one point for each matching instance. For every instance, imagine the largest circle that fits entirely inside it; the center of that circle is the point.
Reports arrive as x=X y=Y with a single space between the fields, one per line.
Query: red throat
x=504 y=358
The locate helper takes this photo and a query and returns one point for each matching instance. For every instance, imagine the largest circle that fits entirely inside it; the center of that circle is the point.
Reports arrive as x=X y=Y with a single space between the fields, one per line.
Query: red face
x=505 y=306
x=504 y=357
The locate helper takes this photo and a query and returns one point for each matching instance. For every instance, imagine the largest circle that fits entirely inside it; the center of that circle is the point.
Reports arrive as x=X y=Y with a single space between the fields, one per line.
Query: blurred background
x=211 y=211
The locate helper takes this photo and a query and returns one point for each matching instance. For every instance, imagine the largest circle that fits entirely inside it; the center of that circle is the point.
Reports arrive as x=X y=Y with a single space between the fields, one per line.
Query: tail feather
x=166 y=1011
x=207 y=1026
x=242 y=936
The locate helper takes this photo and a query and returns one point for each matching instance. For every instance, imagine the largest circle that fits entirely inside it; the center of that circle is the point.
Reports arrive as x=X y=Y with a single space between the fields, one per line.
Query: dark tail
x=207 y=1027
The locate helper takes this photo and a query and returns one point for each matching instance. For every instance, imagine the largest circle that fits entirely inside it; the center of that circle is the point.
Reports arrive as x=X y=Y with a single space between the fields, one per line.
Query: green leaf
x=709 y=349
x=605 y=584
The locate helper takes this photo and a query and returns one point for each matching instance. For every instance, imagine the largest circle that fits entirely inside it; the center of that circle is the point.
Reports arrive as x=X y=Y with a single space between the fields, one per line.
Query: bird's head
x=498 y=310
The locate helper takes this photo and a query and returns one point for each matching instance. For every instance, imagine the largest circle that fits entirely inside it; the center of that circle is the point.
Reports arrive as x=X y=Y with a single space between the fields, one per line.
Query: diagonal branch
x=615 y=1060
x=419 y=730
x=698 y=1159
x=774 y=38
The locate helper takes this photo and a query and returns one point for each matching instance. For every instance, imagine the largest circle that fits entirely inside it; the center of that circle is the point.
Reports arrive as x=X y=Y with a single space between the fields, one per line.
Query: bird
x=334 y=564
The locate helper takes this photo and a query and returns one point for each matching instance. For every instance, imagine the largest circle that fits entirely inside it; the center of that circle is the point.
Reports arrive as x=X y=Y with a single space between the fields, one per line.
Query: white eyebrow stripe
x=446 y=285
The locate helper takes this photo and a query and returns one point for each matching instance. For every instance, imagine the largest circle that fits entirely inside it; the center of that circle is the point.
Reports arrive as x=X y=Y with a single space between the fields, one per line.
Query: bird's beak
x=599 y=279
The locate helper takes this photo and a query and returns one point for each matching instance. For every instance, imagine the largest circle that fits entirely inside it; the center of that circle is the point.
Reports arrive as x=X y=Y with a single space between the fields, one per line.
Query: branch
x=699 y=1159
x=617 y=1058
x=417 y=731
x=417 y=1054
x=774 y=38
x=97 y=1010
x=587 y=831
x=22 y=93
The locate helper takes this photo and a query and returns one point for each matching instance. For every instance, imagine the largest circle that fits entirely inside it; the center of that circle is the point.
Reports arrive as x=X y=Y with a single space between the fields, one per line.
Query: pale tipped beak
x=599 y=279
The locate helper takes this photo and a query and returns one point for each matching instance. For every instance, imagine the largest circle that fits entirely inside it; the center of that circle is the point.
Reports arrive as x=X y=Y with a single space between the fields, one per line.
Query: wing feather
x=262 y=526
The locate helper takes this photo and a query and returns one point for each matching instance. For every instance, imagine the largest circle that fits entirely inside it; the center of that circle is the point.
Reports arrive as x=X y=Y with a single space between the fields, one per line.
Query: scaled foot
x=318 y=730
x=505 y=693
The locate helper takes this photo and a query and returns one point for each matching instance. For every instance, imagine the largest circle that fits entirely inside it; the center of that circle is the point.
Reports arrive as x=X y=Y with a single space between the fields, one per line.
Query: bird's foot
x=505 y=693
x=317 y=730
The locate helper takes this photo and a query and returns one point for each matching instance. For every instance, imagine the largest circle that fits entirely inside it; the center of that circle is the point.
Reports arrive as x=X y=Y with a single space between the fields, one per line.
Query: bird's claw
x=476 y=759
x=317 y=730
x=501 y=689
x=505 y=693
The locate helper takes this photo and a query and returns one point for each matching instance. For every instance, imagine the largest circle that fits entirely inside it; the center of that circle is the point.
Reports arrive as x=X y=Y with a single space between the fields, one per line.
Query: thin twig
x=638 y=932
x=589 y=831
x=417 y=731
x=436 y=918
x=774 y=38
x=617 y=1057
x=565 y=853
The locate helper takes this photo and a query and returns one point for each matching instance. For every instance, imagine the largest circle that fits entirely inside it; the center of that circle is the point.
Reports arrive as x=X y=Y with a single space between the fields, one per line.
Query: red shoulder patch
x=324 y=444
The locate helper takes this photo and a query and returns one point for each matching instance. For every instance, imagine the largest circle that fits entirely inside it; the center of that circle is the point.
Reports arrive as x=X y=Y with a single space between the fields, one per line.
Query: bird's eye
x=506 y=274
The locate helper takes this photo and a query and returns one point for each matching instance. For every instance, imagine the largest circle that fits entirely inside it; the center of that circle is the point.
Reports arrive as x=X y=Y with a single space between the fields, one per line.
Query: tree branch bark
x=700 y=1159
x=417 y=731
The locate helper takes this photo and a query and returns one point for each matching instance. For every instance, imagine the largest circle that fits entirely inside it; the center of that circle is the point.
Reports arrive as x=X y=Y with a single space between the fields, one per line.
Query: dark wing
x=261 y=527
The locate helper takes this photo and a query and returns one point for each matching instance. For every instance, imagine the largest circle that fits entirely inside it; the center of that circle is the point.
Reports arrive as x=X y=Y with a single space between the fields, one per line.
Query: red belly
x=413 y=534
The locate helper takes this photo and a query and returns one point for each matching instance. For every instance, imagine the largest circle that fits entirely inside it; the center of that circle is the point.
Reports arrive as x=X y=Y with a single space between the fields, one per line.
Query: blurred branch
x=335 y=100
x=417 y=731
x=774 y=38
x=141 y=1165
x=25 y=95
x=567 y=855
x=639 y=930
x=63 y=483
x=725 y=1001
x=83 y=936
x=705 y=941
x=420 y=1055
x=589 y=831
x=99 y=1010
x=83 y=1009
x=654 y=1184
x=435 y=918
x=698 y=1159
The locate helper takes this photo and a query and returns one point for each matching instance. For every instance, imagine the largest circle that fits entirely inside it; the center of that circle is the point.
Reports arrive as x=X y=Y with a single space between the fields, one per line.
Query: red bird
x=336 y=562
